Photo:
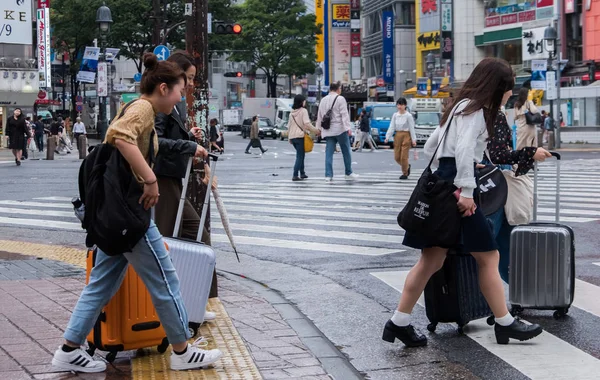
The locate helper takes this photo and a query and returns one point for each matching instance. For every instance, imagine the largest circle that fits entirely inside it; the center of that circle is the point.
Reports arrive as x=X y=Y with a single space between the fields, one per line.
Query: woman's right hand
x=541 y=154
x=466 y=206
x=200 y=151
x=150 y=195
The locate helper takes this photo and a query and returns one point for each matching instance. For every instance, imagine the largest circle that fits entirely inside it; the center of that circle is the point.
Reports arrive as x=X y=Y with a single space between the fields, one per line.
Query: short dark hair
x=254 y=118
x=158 y=72
x=335 y=86
x=298 y=102
x=401 y=102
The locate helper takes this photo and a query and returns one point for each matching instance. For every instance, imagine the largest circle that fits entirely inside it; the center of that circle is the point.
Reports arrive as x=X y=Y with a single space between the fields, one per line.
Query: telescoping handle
x=186 y=180
x=213 y=168
x=535 y=180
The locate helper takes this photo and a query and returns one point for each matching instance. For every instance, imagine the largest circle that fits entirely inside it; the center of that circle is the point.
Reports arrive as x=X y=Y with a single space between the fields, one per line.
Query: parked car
x=265 y=128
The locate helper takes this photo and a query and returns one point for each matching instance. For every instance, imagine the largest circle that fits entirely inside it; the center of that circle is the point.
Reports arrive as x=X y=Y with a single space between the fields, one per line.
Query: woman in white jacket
x=474 y=110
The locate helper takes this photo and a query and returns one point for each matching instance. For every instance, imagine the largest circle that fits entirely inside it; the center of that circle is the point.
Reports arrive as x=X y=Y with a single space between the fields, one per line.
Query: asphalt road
x=335 y=251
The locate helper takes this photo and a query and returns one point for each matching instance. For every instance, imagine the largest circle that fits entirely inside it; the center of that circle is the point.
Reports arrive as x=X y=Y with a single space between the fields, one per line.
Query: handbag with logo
x=431 y=212
x=492 y=186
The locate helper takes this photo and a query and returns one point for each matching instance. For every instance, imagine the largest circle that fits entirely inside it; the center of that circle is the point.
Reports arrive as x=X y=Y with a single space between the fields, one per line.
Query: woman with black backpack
x=457 y=146
x=132 y=134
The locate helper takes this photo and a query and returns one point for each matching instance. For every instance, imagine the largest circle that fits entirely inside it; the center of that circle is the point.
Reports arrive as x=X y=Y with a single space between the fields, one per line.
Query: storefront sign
x=538 y=74
x=422 y=86
x=388 y=46
x=429 y=40
x=43 y=47
x=89 y=65
x=511 y=14
x=446 y=17
x=341 y=56
x=43 y=4
x=429 y=15
x=533 y=44
x=551 y=91
x=320 y=43
x=492 y=21
x=340 y=17
x=527 y=16
x=15 y=23
x=355 y=41
x=372 y=82
x=544 y=13
x=569 y=6
x=102 y=80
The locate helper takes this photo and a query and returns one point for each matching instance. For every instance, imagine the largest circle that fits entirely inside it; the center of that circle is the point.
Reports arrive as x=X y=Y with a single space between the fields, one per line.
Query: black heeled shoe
x=517 y=330
x=407 y=335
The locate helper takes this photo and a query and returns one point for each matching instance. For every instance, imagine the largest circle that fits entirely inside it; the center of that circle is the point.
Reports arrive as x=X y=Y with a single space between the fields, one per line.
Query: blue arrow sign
x=162 y=52
x=137 y=77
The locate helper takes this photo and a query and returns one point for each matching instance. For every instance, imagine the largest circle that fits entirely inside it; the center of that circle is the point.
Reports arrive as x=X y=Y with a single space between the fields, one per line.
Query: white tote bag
x=519 y=204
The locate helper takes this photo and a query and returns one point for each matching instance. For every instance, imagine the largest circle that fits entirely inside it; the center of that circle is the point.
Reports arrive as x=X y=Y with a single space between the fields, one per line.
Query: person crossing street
x=402 y=129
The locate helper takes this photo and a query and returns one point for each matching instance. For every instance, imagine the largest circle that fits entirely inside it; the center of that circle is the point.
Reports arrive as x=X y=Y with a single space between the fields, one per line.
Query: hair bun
x=150 y=61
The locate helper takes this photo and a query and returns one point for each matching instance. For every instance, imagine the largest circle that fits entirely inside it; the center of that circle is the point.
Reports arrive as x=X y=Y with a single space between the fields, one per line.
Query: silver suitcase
x=542 y=261
x=193 y=260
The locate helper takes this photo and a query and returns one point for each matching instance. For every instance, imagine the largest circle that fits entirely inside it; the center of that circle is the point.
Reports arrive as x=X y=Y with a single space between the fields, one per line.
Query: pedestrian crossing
x=347 y=217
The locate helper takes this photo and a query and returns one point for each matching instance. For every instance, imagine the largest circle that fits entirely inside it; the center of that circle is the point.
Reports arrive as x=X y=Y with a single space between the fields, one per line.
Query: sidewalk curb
x=332 y=359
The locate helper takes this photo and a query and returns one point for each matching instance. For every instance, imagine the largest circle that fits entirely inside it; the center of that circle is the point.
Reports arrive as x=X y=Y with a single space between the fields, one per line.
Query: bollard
x=82 y=146
x=540 y=137
x=551 y=141
x=50 y=147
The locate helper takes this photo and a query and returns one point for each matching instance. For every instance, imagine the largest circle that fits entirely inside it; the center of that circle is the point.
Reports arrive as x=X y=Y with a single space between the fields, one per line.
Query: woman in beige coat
x=299 y=125
x=526 y=133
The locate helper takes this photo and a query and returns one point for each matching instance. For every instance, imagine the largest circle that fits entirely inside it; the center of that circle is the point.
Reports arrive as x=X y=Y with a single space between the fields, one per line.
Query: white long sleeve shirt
x=340 y=118
x=465 y=141
x=79 y=128
x=402 y=122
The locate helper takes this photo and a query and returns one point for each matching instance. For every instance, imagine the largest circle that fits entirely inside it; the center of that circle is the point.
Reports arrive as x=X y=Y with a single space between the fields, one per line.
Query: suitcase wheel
x=491 y=320
x=432 y=326
x=561 y=313
x=111 y=356
x=162 y=348
x=193 y=328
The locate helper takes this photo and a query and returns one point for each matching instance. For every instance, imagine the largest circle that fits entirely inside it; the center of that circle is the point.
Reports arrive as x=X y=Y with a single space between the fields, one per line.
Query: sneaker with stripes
x=77 y=360
x=194 y=357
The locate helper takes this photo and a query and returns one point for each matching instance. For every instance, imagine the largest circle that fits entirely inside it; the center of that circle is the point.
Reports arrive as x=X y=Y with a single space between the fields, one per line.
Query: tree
x=278 y=37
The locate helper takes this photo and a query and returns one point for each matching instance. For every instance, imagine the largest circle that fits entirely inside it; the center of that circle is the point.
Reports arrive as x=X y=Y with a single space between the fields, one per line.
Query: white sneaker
x=78 y=361
x=209 y=316
x=328 y=179
x=352 y=177
x=194 y=357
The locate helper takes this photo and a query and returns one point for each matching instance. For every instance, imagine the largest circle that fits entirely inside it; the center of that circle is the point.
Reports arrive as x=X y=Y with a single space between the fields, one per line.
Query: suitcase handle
x=535 y=196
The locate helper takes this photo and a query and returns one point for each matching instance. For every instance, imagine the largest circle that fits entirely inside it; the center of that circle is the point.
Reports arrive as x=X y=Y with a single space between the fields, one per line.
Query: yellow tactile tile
x=236 y=363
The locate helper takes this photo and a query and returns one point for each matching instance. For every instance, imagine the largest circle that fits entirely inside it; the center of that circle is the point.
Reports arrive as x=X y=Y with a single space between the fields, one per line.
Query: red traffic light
x=238 y=74
x=234 y=74
x=237 y=28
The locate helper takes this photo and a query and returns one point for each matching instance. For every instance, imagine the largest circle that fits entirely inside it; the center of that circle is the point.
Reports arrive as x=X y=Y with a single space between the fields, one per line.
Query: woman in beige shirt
x=299 y=125
x=526 y=133
x=132 y=133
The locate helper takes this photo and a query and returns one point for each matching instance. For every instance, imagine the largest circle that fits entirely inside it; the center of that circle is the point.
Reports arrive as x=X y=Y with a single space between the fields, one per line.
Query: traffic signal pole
x=197 y=105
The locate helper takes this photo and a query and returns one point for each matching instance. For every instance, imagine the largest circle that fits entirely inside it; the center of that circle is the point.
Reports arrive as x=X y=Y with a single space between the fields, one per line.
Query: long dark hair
x=522 y=99
x=298 y=102
x=486 y=86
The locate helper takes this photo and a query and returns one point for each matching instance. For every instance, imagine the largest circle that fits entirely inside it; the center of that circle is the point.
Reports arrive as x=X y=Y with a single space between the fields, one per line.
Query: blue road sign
x=79 y=108
x=162 y=52
x=137 y=77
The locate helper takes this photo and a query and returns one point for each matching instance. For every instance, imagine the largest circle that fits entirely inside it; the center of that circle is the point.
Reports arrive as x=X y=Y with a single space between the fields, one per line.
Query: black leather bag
x=493 y=189
x=533 y=118
x=431 y=212
x=255 y=143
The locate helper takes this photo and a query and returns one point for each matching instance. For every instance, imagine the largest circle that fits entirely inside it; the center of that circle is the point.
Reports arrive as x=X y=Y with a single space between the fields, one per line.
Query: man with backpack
x=334 y=123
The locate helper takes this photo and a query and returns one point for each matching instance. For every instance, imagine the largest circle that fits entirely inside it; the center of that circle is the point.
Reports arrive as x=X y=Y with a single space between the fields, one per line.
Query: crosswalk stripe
x=546 y=357
x=36 y=204
x=298 y=212
x=25 y=211
x=309 y=246
x=326 y=223
x=358 y=206
x=64 y=199
x=41 y=223
x=359 y=236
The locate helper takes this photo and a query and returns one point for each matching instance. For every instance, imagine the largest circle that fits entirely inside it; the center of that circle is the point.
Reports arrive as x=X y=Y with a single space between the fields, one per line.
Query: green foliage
x=278 y=37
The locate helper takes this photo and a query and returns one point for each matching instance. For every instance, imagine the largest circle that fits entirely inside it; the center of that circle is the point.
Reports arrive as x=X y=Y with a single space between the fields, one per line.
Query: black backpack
x=114 y=220
x=326 y=120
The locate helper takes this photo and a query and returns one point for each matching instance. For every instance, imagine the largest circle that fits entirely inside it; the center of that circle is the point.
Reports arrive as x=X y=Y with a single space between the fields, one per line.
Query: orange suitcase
x=129 y=321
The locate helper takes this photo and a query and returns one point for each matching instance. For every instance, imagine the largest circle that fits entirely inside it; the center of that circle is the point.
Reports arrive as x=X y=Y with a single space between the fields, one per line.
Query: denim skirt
x=476 y=232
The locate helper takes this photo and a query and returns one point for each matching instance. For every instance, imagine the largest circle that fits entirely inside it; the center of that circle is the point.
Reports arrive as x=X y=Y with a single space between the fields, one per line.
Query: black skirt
x=476 y=232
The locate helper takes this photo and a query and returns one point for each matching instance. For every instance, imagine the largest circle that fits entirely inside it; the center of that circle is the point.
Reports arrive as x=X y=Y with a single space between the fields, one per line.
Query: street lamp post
x=430 y=63
x=319 y=73
x=550 y=44
x=103 y=19
x=407 y=80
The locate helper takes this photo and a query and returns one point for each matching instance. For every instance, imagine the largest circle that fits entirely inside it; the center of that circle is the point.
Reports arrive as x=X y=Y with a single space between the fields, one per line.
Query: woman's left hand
x=466 y=206
x=197 y=132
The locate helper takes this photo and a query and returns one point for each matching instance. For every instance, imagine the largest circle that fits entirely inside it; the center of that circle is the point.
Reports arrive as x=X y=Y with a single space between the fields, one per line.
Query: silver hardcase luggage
x=542 y=261
x=193 y=260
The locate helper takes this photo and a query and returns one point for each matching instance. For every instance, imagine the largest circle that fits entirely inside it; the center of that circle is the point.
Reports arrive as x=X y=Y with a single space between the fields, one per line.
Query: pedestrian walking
x=333 y=121
x=548 y=127
x=526 y=133
x=214 y=136
x=132 y=133
x=402 y=128
x=79 y=130
x=299 y=126
x=16 y=130
x=175 y=146
x=502 y=155
x=254 y=137
x=365 y=129
x=456 y=146
x=39 y=130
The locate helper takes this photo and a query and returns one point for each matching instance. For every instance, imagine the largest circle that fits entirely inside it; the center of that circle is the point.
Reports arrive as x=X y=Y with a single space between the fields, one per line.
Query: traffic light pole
x=197 y=105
